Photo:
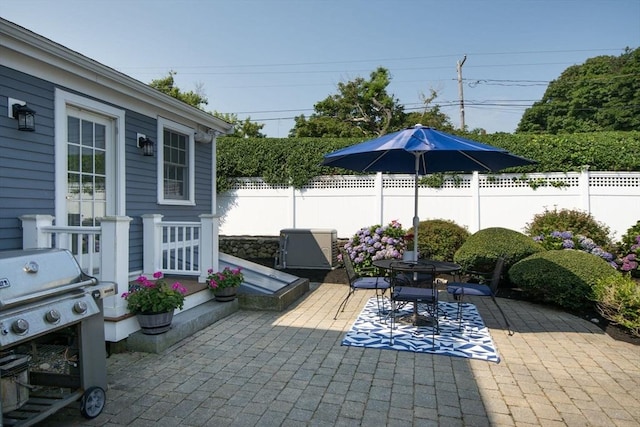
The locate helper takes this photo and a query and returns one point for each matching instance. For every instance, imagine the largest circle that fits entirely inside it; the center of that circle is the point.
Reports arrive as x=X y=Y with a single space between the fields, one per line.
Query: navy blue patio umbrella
x=421 y=150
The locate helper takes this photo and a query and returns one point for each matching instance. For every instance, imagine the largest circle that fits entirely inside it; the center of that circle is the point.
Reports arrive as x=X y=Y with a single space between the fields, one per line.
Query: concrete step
x=184 y=324
x=188 y=322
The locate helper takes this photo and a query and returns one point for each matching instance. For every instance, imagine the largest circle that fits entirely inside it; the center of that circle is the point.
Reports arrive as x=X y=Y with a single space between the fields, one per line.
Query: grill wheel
x=92 y=402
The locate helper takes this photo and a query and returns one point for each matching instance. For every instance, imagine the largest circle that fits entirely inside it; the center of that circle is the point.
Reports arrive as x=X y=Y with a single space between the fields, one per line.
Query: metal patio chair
x=460 y=289
x=378 y=283
x=414 y=282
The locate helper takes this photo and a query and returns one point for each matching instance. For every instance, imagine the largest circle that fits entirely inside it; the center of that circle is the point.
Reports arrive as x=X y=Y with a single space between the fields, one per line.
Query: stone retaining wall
x=250 y=247
x=253 y=247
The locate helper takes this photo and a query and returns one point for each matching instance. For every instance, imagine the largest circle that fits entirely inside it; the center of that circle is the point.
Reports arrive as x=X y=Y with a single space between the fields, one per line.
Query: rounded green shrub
x=482 y=249
x=561 y=277
x=439 y=239
x=618 y=300
x=575 y=221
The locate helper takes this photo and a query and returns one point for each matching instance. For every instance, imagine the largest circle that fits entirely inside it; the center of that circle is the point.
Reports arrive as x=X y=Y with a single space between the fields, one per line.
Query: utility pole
x=459 y=68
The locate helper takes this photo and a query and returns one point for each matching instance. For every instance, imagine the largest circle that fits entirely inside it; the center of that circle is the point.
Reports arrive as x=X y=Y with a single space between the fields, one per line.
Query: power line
x=303 y=72
x=499 y=105
x=512 y=105
x=355 y=61
x=580 y=79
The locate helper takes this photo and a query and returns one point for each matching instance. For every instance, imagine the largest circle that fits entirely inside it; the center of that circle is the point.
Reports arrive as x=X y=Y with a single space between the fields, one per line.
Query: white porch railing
x=184 y=248
x=82 y=242
x=102 y=251
x=180 y=247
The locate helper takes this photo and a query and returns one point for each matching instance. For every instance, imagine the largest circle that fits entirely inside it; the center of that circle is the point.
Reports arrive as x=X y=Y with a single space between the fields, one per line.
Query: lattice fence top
x=255 y=184
x=556 y=179
x=343 y=181
x=407 y=181
x=614 y=180
x=520 y=181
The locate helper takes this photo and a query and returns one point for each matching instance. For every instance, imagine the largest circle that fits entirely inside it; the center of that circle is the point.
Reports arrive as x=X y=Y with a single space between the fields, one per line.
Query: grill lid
x=27 y=275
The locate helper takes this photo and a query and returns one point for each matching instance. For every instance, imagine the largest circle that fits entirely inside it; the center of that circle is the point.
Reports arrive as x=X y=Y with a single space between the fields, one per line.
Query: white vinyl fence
x=347 y=203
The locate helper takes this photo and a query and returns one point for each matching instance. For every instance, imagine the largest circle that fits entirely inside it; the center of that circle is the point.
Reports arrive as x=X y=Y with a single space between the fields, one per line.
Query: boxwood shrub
x=481 y=250
x=440 y=239
x=561 y=277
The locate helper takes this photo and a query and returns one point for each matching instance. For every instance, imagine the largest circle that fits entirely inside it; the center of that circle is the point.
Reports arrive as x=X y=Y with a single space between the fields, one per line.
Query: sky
x=272 y=60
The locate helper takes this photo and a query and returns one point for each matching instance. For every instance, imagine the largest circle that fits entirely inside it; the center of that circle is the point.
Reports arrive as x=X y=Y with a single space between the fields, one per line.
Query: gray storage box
x=308 y=248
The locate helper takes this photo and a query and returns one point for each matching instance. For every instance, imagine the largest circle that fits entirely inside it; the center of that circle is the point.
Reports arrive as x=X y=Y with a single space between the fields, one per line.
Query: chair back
x=348 y=266
x=496 y=276
x=411 y=274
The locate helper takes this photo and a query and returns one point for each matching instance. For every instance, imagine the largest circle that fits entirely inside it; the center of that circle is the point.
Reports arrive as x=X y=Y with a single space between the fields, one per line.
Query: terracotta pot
x=155 y=323
x=225 y=294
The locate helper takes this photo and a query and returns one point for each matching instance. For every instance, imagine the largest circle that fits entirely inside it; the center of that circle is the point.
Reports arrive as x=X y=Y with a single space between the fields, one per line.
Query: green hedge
x=561 y=277
x=482 y=249
x=296 y=161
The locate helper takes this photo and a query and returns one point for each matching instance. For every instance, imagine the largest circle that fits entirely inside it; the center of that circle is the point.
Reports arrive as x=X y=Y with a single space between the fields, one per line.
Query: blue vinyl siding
x=26 y=158
x=142 y=184
x=27 y=166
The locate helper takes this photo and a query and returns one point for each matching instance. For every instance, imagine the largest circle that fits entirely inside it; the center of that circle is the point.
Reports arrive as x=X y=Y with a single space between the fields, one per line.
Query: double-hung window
x=176 y=163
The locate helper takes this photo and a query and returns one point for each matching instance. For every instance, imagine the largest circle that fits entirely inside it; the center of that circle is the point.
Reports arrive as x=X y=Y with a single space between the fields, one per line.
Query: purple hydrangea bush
x=374 y=243
x=630 y=261
x=567 y=240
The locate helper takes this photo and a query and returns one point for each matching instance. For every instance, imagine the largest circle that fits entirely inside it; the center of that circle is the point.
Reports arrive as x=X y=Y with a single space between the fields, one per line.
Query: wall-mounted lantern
x=147 y=146
x=25 y=116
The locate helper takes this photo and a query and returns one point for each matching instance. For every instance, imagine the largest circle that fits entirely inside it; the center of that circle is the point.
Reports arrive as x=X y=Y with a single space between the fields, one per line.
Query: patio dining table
x=440 y=267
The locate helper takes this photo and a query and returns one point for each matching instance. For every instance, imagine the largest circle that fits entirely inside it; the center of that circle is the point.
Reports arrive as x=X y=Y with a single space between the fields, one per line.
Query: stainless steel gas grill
x=52 y=347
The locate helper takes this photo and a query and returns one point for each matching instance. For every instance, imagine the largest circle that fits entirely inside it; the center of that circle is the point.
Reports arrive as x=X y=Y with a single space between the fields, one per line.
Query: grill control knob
x=52 y=316
x=80 y=307
x=20 y=326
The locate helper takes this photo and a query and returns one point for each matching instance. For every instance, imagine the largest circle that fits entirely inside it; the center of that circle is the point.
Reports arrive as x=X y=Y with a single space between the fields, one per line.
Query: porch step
x=184 y=325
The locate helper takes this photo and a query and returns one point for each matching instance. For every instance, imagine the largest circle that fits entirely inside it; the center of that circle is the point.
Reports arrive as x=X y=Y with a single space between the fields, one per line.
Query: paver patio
x=271 y=368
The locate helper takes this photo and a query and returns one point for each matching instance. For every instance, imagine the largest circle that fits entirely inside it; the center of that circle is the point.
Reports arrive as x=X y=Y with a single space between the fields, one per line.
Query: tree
x=361 y=108
x=430 y=115
x=166 y=85
x=603 y=94
x=241 y=129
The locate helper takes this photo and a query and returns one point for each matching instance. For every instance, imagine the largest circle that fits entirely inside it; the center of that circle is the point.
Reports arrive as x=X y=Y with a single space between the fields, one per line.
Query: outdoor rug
x=472 y=341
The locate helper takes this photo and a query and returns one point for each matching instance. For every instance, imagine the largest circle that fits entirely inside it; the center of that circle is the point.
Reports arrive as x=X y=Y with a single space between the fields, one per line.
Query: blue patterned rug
x=472 y=341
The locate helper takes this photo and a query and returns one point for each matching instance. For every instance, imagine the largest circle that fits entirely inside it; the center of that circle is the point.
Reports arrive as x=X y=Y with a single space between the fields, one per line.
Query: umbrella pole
x=416 y=220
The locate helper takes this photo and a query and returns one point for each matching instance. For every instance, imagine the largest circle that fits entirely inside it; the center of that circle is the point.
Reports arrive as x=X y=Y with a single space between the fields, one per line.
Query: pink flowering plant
x=227 y=278
x=147 y=296
x=408 y=241
x=629 y=262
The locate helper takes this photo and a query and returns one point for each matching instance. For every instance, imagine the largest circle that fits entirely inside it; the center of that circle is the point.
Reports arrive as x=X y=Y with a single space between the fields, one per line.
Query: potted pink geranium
x=154 y=301
x=225 y=283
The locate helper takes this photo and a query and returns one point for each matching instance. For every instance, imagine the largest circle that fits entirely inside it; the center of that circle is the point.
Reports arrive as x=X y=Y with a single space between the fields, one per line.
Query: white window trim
x=189 y=132
x=116 y=179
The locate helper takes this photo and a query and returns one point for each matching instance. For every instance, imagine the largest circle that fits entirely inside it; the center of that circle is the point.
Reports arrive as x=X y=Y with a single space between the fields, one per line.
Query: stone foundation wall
x=248 y=247
x=251 y=247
